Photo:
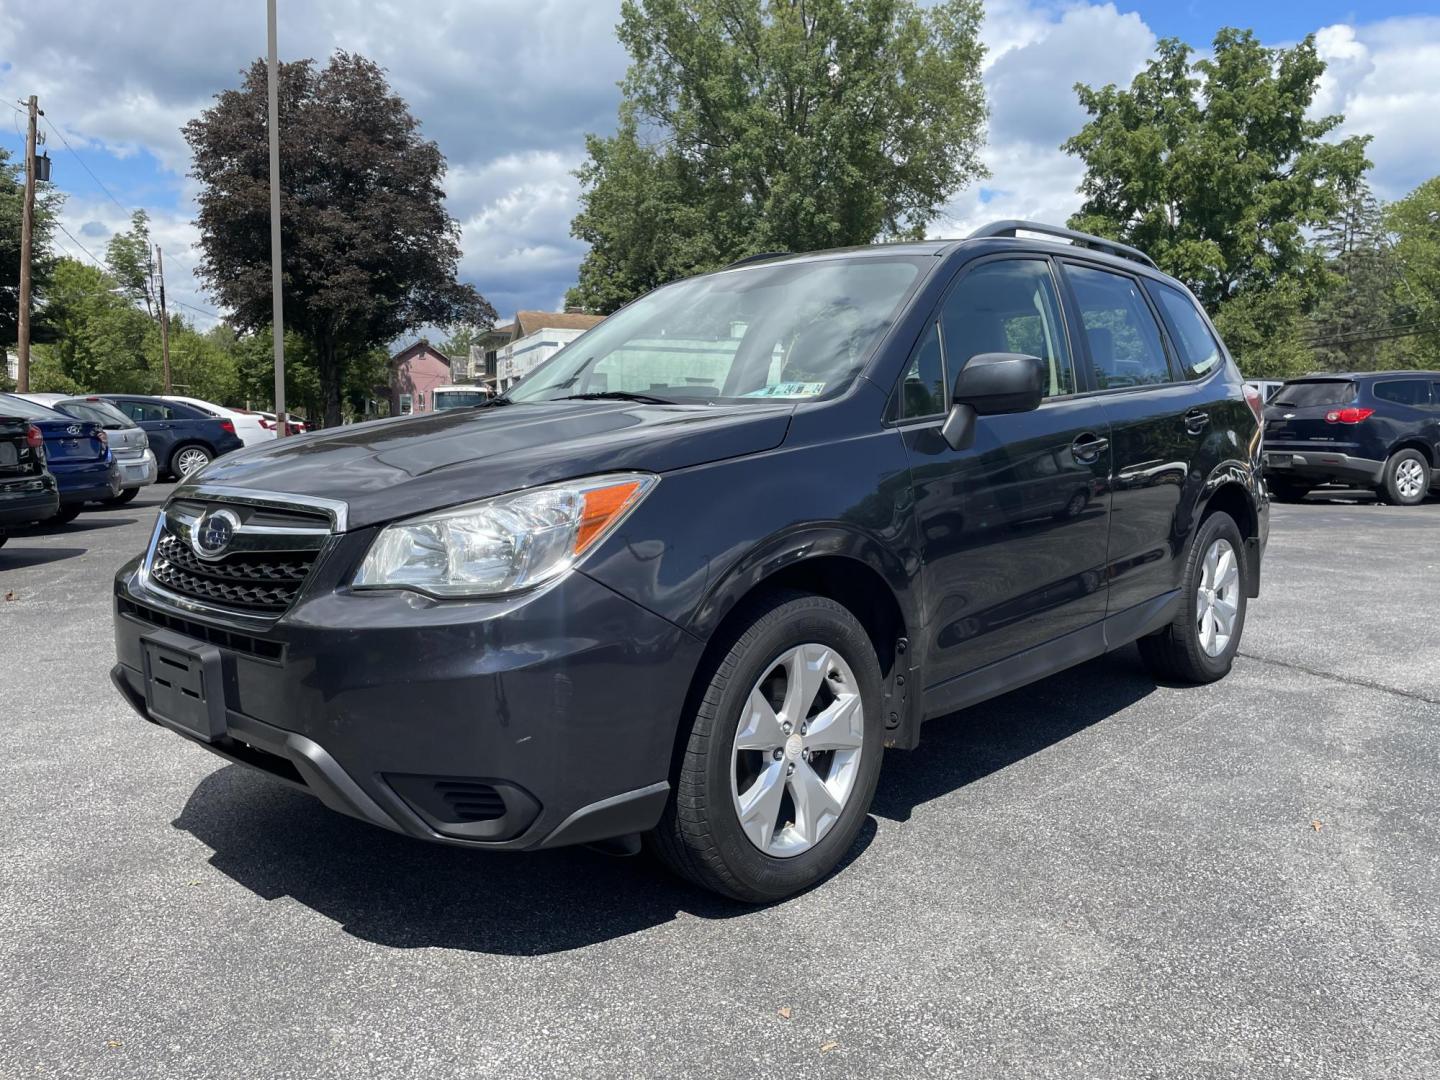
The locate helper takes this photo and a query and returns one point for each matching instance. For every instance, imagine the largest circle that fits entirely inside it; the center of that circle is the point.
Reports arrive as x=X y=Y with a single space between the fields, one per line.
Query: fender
x=1254 y=525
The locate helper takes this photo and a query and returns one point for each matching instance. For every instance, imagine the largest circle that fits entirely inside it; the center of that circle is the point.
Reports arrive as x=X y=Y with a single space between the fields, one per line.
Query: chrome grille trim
x=306 y=535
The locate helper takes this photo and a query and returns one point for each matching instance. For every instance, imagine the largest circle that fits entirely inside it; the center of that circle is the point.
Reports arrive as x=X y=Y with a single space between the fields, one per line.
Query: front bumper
x=32 y=499
x=1320 y=466
x=563 y=703
x=138 y=471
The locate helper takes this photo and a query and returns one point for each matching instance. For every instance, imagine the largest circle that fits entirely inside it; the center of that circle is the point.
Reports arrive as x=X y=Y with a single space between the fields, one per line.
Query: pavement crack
x=1348 y=680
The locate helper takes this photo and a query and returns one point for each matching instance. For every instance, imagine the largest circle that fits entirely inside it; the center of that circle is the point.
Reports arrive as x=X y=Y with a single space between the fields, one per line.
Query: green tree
x=130 y=258
x=1217 y=171
x=370 y=251
x=42 y=261
x=1348 y=327
x=1414 y=224
x=101 y=341
x=755 y=125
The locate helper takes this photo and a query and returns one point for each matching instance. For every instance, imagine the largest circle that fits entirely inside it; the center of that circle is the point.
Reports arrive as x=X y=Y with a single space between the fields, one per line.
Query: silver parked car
x=128 y=442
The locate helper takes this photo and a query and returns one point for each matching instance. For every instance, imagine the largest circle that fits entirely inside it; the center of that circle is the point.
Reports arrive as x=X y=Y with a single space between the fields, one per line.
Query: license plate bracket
x=1280 y=461
x=184 y=684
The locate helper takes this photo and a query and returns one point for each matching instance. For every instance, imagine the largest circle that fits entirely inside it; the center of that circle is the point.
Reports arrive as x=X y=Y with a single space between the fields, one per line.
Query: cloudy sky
x=510 y=87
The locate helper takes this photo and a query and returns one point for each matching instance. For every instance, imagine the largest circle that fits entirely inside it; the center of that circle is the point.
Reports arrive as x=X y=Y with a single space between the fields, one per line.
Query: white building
x=514 y=350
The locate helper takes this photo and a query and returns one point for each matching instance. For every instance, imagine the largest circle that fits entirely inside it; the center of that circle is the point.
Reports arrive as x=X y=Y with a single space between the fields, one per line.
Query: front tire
x=1406 y=479
x=1200 y=645
x=783 y=754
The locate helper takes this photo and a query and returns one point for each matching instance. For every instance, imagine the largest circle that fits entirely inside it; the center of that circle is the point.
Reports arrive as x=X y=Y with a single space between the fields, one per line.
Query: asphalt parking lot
x=1092 y=877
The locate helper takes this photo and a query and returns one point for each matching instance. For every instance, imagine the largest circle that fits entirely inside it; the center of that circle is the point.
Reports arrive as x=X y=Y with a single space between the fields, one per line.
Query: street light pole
x=27 y=229
x=277 y=316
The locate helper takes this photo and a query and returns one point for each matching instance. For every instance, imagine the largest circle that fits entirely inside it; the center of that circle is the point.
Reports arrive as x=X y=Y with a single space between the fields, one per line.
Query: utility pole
x=164 y=317
x=27 y=228
x=277 y=313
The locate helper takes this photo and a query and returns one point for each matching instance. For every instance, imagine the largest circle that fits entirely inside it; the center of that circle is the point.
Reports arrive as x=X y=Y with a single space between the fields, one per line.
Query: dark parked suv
x=692 y=577
x=1379 y=430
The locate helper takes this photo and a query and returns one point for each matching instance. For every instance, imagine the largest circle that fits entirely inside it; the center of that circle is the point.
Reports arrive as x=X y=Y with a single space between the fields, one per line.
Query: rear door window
x=1199 y=351
x=1125 y=344
x=1404 y=391
x=1316 y=393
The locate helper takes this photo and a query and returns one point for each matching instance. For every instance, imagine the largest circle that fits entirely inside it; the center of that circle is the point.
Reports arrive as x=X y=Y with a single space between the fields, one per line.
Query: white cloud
x=508 y=88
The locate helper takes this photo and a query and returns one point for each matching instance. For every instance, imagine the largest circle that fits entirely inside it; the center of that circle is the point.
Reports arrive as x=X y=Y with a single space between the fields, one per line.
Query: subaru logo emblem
x=213 y=533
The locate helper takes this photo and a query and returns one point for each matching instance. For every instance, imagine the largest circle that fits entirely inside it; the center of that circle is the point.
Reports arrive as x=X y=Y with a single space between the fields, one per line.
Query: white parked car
x=247 y=424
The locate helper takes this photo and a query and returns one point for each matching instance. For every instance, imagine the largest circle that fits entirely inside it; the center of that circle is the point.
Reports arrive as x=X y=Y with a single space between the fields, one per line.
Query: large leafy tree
x=103 y=343
x=42 y=262
x=755 y=125
x=1414 y=225
x=1216 y=168
x=130 y=258
x=1349 y=328
x=370 y=251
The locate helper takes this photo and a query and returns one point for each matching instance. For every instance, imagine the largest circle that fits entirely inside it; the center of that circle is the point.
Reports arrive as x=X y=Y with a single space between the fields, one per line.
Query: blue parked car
x=183 y=437
x=77 y=453
x=1377 y=429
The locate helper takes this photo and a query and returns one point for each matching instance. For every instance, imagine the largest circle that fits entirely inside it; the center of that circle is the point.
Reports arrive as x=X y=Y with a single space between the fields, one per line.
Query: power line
x=77 y=157
x=98 y=262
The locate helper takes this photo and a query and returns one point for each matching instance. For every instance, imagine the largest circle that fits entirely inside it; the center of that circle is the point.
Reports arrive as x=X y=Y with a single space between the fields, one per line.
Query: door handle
x=1196 y=421
x=1088 y=447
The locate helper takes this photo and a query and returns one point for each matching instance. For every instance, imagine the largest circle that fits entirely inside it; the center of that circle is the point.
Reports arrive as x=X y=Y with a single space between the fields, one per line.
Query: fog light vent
x=469 y=800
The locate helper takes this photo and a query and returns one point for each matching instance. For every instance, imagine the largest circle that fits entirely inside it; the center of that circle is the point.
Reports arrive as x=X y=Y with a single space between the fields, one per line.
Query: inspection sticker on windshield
x=789 y=389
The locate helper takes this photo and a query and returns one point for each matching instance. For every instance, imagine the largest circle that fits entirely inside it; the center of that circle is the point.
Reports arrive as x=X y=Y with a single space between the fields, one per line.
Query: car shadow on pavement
x=14 y=556
x=404 y=893
x=82 y=524
x=963 y=747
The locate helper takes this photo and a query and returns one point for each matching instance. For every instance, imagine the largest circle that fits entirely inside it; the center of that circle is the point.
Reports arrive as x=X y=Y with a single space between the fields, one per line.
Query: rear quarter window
x=1403 y=391
x=1199 y=351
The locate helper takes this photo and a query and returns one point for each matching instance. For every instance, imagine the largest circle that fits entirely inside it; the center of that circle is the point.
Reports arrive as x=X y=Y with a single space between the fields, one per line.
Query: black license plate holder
x=184 y=684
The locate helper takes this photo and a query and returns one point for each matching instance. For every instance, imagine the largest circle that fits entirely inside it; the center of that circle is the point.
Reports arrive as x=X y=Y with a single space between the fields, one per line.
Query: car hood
x=388 y=469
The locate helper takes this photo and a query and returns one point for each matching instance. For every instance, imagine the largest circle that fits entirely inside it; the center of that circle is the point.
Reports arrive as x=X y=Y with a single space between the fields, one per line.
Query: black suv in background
x=694 y=575
x=1379 y=430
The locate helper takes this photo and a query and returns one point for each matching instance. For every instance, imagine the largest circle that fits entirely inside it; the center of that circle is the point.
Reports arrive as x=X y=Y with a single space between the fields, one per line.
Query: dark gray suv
x=691 y=578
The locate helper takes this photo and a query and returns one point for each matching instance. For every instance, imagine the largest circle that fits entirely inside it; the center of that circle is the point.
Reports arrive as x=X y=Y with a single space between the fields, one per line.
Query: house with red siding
x=415 y=372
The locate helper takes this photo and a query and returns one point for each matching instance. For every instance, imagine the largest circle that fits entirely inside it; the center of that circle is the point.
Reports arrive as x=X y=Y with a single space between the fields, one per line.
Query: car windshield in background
x=101 y=412
x=14 y=406
x=1307 y=395
x=459 y=399
x=790 y=331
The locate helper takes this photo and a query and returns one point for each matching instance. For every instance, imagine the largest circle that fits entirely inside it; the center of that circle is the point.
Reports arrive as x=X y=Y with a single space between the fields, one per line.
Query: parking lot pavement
x=1093 y=877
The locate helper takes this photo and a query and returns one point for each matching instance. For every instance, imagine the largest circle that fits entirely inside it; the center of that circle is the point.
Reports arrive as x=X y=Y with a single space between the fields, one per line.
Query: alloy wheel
x=1410 y=478
x=1218 y=597
x=190 y=459
x=797 y=750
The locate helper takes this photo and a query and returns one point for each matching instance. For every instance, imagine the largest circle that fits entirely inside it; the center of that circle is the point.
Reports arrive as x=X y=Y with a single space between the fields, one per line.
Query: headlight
x=504 y=544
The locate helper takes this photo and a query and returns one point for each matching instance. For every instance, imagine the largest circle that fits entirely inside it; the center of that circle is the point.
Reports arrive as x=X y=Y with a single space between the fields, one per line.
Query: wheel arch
x=1413 y=442
x=1233 y=490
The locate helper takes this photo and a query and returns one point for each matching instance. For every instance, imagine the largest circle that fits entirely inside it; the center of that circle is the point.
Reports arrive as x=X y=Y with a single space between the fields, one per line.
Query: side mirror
x=989 y=385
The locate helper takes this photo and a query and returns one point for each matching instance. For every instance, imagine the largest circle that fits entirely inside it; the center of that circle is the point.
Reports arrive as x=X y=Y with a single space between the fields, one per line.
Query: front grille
x=244 y=643
x=263 y=563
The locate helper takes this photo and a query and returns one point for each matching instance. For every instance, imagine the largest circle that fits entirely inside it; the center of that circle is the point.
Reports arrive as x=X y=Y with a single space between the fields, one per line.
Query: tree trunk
x=332 y=379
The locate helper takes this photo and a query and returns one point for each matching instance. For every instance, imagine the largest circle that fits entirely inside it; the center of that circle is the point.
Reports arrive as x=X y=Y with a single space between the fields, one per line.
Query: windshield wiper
x=492 y=402
x=615 y=395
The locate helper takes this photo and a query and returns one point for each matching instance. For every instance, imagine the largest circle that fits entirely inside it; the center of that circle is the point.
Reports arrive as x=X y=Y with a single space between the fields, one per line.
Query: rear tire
x=1406 y=479
x=1199 y=646
x=66 y=515
x=769 y=855
x=121 y=499
x=189 y=458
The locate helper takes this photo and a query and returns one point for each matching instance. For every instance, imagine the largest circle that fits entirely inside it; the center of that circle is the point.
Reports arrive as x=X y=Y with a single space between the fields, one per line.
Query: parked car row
x=1378 y=430
x=62 y=452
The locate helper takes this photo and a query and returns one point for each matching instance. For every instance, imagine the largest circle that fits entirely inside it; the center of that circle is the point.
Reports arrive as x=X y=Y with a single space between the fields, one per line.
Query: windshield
x=458 y=399
x=1305 y=395
x=792 y=331
x=14 y=406
x=101 y=412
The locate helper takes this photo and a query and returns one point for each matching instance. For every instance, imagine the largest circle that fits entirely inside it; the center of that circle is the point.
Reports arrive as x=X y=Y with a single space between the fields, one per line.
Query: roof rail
x=759 y=256
x=1012 y=226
